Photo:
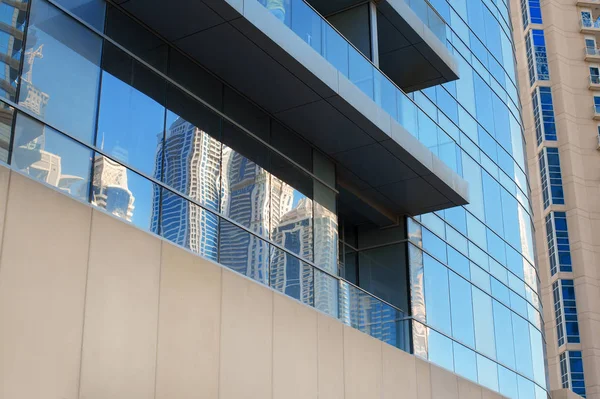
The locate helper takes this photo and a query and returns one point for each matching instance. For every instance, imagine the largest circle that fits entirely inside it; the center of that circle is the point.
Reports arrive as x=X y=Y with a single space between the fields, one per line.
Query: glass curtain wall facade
x=112 y=115
x=474 y=284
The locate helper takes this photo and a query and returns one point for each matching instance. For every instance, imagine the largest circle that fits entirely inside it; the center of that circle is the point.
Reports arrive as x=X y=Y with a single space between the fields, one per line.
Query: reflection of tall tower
x=191 y=166
x=245 y=199
x=293 y=232
x=35 y=99
x=110 y=188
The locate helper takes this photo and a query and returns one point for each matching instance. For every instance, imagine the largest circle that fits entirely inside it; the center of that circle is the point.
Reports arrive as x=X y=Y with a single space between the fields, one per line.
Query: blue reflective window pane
x=522 y=346
x=507 y=380
x=243 y=252
x=407 y=114
x=504 y=338
x=132 y=115
x=458 y=263
x=289 y=275
x=51 y=157
x=480 y=278
x=493 y=206
x=192 y=154
x=125 y=194
x=496 y=246
x=91 y=11
x=437 y=296
x=385 y=94
x=187 y=224
x=327 y=290
x=465 y=362
x=487 y=371
x=440 y=350
x=484 y=323
x=525 y=386
x=306 y=23
x=292 y=219
x=62 y=87
x=500 y=292
x=245 y=187
x=537 y=356
x=361 y=72
x=461 y=310
x=457 y=218
x=434 y=245
x=335 y=49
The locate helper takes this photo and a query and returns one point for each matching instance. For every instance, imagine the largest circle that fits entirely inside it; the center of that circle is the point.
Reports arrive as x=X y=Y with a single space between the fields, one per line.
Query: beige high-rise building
x=558 y=56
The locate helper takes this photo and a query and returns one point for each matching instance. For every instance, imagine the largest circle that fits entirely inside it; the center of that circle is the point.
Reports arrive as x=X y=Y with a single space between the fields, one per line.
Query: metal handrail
x=595 y=51
x=591 y=24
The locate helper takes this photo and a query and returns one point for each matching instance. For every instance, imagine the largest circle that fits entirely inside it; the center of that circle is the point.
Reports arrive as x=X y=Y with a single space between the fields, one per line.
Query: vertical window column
x=531 y=11
x=565 y=311
x=551 y=176
x=543 y=115
x=559 y=249
x=571 y=370
x=537 y=59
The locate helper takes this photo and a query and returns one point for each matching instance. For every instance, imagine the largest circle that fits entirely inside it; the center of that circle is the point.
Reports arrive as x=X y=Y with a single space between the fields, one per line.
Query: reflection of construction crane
x=36 y=99
x=30 y=56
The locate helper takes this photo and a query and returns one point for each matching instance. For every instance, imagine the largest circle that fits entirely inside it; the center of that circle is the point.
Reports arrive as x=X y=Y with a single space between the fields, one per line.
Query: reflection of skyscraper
x=191 y=166
x=110 y=189
x=294 y=232
x=12 y=14
x=245 y=199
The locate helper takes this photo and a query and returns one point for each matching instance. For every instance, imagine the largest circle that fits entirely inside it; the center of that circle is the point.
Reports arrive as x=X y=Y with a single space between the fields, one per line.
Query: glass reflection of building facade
x=319 y=206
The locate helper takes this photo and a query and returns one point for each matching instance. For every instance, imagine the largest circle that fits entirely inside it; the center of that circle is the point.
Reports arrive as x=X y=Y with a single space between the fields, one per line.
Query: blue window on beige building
x=532 y=12
x=559 y=249
x=543 y=114
x=537 y=59
x=571 y=372
x=565 y=312
x=552 y=188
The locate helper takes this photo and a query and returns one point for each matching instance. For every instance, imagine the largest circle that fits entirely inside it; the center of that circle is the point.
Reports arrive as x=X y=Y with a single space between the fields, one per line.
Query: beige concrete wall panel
x=4 y=180
x=189 y=326
x=444 y=384
x=246 y=363
x=399 y=373
x=331 y=357
x=121 y=316
x=42 y=290
x=423 y=379
x=362 y=365
x=469 y=390
x=295 y=360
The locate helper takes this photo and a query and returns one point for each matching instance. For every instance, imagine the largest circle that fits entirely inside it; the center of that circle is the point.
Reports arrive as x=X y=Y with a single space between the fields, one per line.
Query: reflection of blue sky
x=129 y=128
x=297 y=197
x=70 y=79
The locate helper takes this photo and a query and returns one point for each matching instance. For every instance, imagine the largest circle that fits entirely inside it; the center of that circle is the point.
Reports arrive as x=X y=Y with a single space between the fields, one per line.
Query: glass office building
x=364 y=159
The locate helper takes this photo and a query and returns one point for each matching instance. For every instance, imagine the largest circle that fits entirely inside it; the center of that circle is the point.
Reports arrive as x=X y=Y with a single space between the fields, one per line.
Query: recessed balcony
x=588 y=3
x=594 y=82
x=592 y=54
x=297 y=67
x=589 y=26
x=410 y=44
